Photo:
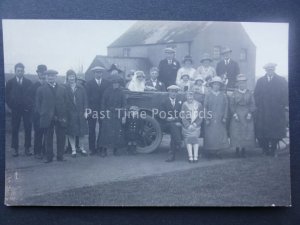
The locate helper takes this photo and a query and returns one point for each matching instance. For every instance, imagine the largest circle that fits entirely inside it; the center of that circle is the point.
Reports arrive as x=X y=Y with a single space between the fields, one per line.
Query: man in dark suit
x=17 y=99
x=228 y=69
x=271 y=99
x=154 y=82
x=51 y=105
x=95 y=89
x=171 y=108
x=39 y=139
x=168 y=68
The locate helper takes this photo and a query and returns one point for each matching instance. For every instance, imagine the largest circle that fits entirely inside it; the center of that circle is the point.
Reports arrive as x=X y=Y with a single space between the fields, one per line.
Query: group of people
x=68 y=109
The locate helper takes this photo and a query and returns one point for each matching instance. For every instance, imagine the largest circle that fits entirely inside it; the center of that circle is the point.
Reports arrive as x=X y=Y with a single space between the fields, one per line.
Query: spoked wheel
x=150 y=136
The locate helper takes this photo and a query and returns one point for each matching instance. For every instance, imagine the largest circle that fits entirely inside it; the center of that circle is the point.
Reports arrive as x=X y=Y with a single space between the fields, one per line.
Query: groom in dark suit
x=171 y=107
x=154 y=82
x=228 y=69
x=95 y=89
x=18 y=100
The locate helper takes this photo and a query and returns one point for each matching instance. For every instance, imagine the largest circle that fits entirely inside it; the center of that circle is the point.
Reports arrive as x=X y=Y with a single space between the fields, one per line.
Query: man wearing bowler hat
x=271 y=99
x=168 y=68
x=18 y=100
x=227 y=68
x=39 y=140
x=51 y=106
x=95 y=89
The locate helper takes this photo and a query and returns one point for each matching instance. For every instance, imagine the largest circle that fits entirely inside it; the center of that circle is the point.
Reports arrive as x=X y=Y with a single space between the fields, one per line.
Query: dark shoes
x=240 y=153
x=115 y=152
x=103 y=152
x=131 y=150
x=171 y=158
x=61 y=160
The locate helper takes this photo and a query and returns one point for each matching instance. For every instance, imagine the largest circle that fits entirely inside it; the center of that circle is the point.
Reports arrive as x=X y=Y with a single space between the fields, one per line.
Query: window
x=243 y=54
x=217 y=52
x=126 y=52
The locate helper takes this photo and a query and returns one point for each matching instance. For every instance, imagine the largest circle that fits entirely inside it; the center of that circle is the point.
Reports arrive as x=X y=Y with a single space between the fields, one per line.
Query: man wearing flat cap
x=39 y=140
x=51 y=104
x=168 y=68
x=18 y=100
x=227 y=68
x=271 y=99
x=95 y=89
x=171 y=108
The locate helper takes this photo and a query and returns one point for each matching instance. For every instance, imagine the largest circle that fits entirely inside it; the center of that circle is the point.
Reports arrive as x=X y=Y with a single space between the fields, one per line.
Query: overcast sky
x=71 y=44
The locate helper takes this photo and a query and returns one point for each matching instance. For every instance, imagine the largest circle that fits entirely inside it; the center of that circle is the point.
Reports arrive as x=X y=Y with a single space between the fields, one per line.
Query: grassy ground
x=244 y=182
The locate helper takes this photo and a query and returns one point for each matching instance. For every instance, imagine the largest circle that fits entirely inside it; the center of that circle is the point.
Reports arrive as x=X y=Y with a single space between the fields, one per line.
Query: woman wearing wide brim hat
x=216 y=103
x=187 y=68
x=205 y=69
x=185 y=83
x=217 y=80
x=242 y=107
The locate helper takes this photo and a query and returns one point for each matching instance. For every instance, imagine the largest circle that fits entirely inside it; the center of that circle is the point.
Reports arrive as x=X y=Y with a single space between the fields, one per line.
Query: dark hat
x=187 y=58
x=206 y=56
x=169 y=50
x=41 y=68
x=114 y=67
x=70 y=72
x=48 y=72
x=97 y=68
x=225 y=50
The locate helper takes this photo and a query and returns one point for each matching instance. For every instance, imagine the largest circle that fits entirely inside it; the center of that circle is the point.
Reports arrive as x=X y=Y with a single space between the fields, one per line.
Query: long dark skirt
x=111 y=134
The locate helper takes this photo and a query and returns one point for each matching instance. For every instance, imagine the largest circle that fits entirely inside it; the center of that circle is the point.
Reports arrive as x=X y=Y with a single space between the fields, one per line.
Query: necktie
x=170 y=61
x=98 y=82
x=173 y=102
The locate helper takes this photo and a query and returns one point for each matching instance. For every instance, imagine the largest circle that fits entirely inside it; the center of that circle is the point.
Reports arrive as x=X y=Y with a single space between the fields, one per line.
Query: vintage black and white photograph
x=146 y=113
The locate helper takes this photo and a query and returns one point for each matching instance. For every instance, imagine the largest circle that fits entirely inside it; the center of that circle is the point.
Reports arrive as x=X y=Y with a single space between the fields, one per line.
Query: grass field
x=245 y=182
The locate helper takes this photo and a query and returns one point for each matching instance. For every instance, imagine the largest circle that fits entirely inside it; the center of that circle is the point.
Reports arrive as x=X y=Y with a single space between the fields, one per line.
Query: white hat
x=173 y=87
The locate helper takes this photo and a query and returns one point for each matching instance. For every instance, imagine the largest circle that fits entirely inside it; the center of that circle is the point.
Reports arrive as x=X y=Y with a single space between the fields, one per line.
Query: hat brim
x=227 y=51
x=206 y=59
x=212 y=82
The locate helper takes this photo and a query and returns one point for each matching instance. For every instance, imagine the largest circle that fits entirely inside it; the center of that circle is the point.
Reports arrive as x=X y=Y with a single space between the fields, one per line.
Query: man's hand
x=178 y=124
x=170 y=119
x=224 y=120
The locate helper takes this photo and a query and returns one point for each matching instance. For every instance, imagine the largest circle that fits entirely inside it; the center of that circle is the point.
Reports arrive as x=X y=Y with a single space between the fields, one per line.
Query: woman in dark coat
x=76 y=112
x=113 y=104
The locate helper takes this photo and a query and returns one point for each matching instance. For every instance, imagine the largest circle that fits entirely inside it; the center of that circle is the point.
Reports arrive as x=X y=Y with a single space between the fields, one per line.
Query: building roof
x=160 y=32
